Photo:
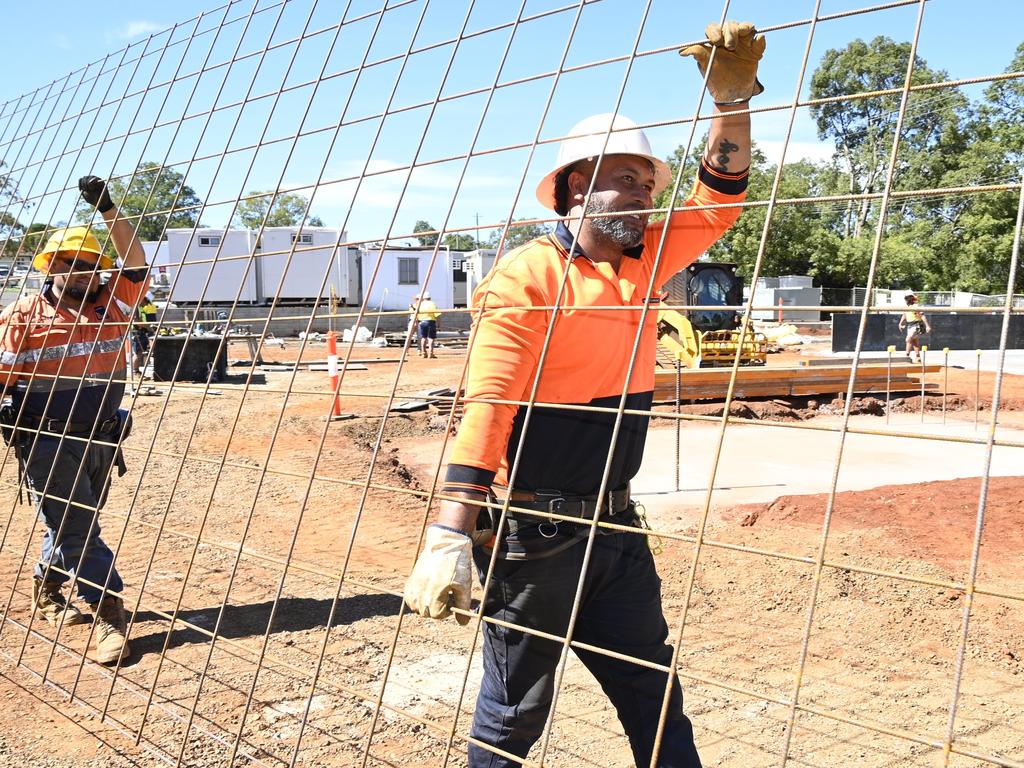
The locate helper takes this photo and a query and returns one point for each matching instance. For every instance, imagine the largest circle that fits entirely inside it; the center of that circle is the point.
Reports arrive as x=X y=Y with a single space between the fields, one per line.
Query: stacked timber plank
x=759 y=381
x=441 y=399
x=445 y=401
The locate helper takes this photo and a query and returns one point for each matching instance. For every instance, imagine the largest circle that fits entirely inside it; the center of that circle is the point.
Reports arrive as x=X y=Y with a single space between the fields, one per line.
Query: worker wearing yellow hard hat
x=62 y=363
x=76 y=244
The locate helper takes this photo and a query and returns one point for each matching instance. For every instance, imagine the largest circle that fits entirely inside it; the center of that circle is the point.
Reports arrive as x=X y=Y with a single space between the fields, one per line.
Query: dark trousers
x=620 y=611
x=75 y=550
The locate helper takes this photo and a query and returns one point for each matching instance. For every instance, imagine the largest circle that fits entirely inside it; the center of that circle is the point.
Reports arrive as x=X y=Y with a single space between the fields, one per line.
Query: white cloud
x=133 y=29
x=383 y=190
x=427 y=196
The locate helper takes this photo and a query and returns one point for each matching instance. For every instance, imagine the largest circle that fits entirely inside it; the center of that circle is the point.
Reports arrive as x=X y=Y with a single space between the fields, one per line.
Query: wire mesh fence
x=277 y=165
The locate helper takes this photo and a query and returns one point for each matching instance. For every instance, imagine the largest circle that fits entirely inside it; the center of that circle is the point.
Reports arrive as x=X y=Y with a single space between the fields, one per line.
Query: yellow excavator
x=707 y=338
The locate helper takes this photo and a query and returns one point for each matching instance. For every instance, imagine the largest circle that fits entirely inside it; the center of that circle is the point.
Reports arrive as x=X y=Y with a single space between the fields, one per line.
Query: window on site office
x=209 y=240
x=408 y=271
x=303 y=239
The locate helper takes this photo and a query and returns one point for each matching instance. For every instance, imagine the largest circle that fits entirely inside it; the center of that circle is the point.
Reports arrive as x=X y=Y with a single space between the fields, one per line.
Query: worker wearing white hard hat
x=591 y=138
x=559 y=474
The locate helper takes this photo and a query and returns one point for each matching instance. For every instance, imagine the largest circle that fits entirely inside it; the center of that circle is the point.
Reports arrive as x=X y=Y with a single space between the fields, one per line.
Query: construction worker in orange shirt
x=62 y=362
x=561 y=455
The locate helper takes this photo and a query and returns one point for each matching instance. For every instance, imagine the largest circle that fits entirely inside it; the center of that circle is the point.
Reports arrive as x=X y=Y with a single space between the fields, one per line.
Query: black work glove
x=94 y=192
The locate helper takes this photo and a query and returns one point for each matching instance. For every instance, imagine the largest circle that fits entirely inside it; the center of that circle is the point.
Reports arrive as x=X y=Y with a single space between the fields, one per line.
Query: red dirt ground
x=879 y=651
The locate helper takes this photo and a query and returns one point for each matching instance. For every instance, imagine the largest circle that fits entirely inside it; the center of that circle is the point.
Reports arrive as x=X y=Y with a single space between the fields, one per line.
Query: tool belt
x=554 y=502
x=8 y=419
x=535 y=534
x=47 y=424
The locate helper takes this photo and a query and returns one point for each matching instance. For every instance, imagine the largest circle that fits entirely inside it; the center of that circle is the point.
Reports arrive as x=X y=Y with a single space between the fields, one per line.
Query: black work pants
x=620 y=611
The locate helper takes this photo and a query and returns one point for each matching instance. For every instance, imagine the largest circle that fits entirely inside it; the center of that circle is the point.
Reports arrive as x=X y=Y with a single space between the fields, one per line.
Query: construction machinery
x=708 y=337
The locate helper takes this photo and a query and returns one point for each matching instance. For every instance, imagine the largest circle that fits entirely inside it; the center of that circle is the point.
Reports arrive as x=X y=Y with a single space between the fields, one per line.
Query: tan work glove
x=733 y=78
x=444 y=567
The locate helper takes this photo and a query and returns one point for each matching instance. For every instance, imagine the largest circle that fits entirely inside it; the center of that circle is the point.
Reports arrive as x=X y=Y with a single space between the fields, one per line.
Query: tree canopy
x=456 y=241
x=159 y=194
x=425 y=240
x=288 y=210
x=518 y=234
x=958 y=241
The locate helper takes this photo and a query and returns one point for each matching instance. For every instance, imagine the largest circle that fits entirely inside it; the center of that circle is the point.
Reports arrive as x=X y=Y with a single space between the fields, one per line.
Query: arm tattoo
x=722 y=158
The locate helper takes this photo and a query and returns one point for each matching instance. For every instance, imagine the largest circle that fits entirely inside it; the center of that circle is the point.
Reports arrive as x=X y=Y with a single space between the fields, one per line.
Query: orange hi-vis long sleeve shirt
x=588 y=357
x=69 y=365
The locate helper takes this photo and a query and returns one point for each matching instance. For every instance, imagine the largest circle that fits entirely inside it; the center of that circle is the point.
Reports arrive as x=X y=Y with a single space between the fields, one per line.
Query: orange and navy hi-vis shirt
x=47 y=347
x=588 y=357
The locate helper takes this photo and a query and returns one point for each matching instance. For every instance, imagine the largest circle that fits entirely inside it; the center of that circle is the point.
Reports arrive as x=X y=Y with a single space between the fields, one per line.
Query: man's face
x=624 y=183
x=75 y=276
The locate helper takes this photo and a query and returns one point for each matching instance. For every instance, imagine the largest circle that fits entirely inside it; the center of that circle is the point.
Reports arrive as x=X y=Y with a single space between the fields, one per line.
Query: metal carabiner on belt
x=554 y=529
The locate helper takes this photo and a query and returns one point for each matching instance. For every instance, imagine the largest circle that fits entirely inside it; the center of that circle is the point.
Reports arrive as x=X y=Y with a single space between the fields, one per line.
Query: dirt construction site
x=267 y=618
x=246 y=216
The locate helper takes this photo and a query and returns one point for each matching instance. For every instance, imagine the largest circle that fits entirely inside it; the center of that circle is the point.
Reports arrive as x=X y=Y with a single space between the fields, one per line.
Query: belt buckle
x=555 y=505
x=609 y=508
x=549 y=528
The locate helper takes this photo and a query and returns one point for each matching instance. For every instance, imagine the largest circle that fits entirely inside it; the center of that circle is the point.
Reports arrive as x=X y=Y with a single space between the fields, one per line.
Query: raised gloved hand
x=733 y=78
x=444 y=567
x=94 y=192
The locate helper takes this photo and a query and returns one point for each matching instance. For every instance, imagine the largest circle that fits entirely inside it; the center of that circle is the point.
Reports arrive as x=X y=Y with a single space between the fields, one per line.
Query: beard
x=615 y=229
x=83 y=295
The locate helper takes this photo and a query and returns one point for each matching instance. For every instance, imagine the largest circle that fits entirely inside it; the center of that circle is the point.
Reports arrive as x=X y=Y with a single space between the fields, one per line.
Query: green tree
x=518 y=234
x=454 y=241
x=460 y=242
x=964 y=241
x=288 y=210
x=155 y=188
x=425 y=226
x=862 y=129
x=11 y=230
x=801 y=238
x=33 y=239
x=1004 y=107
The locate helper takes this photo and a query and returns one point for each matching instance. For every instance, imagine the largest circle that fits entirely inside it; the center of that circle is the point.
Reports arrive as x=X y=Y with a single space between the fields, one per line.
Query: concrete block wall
x=290 y=320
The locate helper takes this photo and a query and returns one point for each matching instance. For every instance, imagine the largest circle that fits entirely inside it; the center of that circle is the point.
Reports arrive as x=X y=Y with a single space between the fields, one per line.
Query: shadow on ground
x=294 y=614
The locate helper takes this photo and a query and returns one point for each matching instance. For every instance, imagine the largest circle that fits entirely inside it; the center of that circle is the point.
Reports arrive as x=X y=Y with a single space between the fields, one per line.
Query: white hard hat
x=587 y=139
x=426 y=294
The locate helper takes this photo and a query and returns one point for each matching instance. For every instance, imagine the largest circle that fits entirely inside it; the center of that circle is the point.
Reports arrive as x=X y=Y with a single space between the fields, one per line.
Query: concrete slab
x=968 y=359
x=759 y=463
x=1014 y=362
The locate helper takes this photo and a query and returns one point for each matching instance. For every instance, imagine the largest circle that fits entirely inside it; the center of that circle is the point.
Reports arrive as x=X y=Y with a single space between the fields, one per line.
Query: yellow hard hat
x=76 y=240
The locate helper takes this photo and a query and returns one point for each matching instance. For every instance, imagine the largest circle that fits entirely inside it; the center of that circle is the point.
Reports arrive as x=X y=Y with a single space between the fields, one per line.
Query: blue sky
x=964 y=39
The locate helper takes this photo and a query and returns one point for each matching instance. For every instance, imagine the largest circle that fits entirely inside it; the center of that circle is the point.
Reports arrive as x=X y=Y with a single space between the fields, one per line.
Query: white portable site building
x=403 y=274
x=212 y=266
x=252 y=271
x=477 y=264
x=317 y=265
x=158 y=258
x=782 y=292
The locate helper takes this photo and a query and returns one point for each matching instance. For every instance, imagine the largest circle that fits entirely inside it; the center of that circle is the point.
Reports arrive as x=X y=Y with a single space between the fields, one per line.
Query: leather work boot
x=52 y=605
x=109 y=632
